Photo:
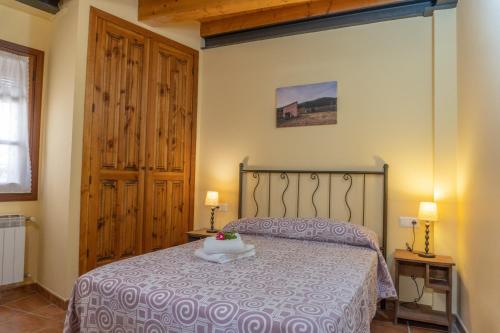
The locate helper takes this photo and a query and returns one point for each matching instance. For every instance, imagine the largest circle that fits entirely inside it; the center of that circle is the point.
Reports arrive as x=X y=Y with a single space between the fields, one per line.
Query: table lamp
x=427 y=212
x=212 y=201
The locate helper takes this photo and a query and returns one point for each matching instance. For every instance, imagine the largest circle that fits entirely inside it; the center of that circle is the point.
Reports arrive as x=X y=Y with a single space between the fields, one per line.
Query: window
x=21 y=71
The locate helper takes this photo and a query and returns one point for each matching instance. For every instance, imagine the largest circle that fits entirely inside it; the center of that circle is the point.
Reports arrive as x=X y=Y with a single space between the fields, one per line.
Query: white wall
x=385 y=93
x=23 y=25
x=479 y=161
x=445 y=140
x=56 y=175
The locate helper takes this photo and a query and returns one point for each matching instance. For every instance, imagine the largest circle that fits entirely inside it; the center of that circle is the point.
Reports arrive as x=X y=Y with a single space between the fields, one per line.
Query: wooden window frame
x=36 y=59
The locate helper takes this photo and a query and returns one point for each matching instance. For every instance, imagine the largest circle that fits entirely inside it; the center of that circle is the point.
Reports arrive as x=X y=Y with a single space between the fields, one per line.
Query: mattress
x=293 y=284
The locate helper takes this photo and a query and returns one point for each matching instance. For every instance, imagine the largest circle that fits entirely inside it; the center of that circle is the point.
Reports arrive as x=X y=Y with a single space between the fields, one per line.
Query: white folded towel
x=231 y=246
x=223 y=258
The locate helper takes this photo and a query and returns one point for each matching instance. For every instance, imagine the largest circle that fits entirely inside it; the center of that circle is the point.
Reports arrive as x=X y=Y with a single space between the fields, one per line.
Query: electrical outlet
x=223 y=207
x=406 y=221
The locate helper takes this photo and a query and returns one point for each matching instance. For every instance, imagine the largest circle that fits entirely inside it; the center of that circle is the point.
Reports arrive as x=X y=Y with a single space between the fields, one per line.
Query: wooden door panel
x=178 y=212
x=178 y=113
x=106 y=221
x=169 y=147
x=138 y=142
x=167 y=210
x=128 y=230
x=160 y=221
x=118 y=135
x=119 y=98
x=171 y=107
x=130 y=145
x=119 y=220
x=111 y=78
x=161 y=111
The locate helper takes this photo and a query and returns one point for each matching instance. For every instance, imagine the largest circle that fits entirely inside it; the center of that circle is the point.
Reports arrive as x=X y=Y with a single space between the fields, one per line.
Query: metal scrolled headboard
x=315 y=177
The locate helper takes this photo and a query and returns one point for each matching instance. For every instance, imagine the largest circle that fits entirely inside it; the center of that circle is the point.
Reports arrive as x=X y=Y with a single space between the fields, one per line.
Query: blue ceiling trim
x=334 y=21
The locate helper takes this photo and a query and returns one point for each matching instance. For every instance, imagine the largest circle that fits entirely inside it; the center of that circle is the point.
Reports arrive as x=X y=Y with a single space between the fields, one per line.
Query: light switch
x=406 y=221
x=223 y=207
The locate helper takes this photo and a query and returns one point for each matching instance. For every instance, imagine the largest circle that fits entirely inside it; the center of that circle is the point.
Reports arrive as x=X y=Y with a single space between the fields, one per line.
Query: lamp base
x=427 y=255
x=212 y=231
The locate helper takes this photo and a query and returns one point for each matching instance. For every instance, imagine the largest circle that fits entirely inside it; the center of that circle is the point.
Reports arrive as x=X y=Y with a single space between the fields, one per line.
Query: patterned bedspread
x=293 y=284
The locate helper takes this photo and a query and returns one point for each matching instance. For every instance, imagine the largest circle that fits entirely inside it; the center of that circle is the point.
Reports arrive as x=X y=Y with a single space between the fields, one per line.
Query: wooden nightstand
x=198 y=234
x=437 y=274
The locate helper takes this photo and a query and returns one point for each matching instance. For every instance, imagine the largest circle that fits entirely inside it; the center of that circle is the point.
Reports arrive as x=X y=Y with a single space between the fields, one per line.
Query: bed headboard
x=357 y=196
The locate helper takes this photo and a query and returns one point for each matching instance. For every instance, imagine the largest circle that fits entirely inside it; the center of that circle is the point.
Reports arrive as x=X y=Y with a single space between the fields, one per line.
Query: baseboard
x=9 y=293
x=29 y=285
x=26 y=283
x=459 y=324
x=53 y=298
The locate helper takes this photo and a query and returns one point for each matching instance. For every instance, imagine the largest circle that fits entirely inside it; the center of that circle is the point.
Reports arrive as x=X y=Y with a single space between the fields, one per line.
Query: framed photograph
x=307 y=105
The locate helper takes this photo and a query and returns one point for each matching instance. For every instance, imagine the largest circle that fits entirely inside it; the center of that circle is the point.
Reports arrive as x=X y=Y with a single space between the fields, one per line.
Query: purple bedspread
x=322 y=230
x=309 y=275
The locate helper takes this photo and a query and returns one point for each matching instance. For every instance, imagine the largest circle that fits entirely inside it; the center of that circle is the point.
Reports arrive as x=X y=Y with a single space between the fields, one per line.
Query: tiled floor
x=25 y=311
x=379 y=326
x=383 y=323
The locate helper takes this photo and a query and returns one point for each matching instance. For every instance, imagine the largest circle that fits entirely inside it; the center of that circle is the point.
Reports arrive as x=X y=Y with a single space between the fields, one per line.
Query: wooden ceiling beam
x=296 y=12
x=162 y=11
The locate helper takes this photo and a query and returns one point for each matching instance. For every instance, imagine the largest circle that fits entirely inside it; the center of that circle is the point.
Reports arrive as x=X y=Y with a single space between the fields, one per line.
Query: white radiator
x=12 y=237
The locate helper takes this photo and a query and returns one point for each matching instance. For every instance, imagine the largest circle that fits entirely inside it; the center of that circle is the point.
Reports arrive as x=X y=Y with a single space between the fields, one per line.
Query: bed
x=310 y=274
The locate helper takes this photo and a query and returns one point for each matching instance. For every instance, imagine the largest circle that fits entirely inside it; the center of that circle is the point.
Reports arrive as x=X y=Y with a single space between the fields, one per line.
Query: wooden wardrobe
x=139 y=142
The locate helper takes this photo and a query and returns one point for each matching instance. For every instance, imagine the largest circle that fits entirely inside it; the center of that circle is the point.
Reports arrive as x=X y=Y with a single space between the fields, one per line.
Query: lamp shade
x=428 y=211
x=212 y=199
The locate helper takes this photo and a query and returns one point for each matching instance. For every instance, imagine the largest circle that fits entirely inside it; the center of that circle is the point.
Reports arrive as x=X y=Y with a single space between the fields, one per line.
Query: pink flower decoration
x=219 y=236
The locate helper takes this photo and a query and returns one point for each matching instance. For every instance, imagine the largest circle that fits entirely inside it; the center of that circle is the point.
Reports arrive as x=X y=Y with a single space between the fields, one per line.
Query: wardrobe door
x=117 y=148
x=169 y=146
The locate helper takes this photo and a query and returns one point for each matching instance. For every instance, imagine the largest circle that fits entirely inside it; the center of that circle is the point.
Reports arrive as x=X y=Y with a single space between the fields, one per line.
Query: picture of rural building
x=306 y=105
x=291 y=110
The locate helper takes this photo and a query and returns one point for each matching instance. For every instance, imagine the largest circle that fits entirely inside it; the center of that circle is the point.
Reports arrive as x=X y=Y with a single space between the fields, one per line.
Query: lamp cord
x=413 y=223
x=420 y=293
x=408 y=247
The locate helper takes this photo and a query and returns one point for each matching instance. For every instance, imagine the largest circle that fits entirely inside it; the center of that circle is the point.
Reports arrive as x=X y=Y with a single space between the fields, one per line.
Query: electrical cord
x=420 y=293
x=408 y=247
x=413 y=223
